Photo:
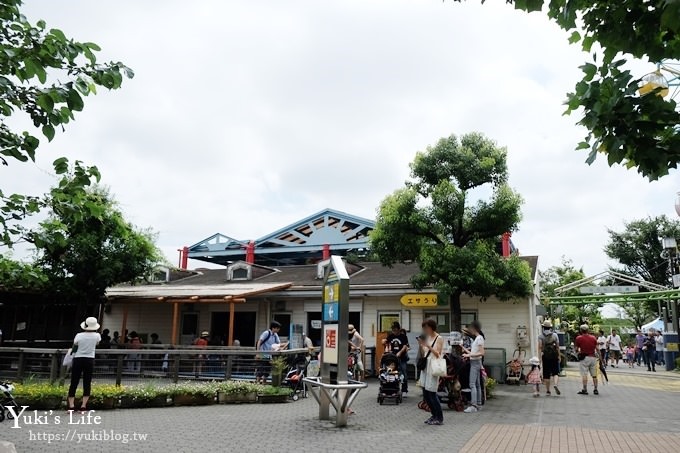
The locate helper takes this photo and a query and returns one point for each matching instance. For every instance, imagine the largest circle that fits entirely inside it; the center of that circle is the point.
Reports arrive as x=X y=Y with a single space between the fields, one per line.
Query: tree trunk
x=454 y=307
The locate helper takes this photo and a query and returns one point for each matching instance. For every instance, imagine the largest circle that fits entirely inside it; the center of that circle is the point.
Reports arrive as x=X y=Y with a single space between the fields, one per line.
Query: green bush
x=677 y=363
x=490 y=385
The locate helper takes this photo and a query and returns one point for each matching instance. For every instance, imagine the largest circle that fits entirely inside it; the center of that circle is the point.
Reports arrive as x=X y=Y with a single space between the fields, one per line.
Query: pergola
x=189 y=294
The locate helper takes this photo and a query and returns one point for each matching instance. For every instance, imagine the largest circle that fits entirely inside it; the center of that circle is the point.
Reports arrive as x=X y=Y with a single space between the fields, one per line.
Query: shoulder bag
x=422 y=362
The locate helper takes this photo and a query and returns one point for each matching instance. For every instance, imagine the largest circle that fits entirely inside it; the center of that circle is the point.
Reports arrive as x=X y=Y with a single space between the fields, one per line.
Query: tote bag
x=438 y=367
x=68 y=359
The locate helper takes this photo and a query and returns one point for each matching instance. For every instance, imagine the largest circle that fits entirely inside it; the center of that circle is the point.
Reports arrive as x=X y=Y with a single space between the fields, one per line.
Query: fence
x=136 y=365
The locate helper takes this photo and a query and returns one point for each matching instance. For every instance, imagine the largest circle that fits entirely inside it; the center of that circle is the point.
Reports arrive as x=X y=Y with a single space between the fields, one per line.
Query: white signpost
x=609 y=289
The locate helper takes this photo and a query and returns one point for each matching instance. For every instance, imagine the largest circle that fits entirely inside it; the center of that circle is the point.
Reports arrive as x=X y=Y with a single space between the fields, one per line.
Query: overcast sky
x=245 y=116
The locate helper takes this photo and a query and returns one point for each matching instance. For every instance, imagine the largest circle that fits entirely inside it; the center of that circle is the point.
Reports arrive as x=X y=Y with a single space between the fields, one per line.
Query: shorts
x=551 y=367
x=588 y=366
x=263 y=368
x=613 y=354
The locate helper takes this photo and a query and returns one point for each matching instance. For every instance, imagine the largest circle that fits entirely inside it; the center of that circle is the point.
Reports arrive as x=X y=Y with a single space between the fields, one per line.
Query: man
x=549 y=351
x=614 y=343
x=202 y=343
x=356 y=345
x=602 y=347
x=649 y=348
x=659 y=349
x=397 y=343
x=586 y=347
x=639 y=340
x=268 y=341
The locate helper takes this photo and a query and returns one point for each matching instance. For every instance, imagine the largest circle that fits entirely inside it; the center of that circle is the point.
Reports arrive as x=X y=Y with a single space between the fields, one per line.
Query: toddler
x=534 y=377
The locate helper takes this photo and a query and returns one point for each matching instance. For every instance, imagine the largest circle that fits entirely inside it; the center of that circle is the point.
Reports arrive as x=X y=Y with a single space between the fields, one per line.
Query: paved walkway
x=513 y=422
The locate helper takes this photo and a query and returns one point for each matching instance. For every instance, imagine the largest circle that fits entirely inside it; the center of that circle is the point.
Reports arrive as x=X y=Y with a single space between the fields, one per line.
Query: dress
x=427 y=381
x=534 y=376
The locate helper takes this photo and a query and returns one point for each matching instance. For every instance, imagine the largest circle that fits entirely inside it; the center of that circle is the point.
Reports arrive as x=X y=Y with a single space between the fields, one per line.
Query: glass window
x=442 y=319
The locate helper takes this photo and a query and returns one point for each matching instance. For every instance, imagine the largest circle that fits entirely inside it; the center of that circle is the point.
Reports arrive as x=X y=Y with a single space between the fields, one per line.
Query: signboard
x=609 y=289
x=672 y=347
x=330 y=344
x=419 y=300
x=316 y=323
x=331 y=298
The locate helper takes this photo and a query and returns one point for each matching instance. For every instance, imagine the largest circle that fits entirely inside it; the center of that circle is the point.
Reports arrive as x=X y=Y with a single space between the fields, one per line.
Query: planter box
x=272 y=398
x=50 y=402
x=103 y=403
x=236 y=398
x=193 y=400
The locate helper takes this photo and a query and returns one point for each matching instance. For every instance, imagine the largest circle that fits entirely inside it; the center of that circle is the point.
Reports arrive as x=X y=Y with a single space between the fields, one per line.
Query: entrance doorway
x=244 y=327
x=313 y=327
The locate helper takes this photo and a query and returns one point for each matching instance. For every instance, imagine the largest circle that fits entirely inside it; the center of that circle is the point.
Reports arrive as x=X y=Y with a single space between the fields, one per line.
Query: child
x=630 y=355
x=390 y=373
x=534 y=377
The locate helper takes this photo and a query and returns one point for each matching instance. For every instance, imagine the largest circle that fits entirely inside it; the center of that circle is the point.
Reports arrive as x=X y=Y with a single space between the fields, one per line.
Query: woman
x=649 y=349
x=475 y=354
x=84 y=345
x=431 y=346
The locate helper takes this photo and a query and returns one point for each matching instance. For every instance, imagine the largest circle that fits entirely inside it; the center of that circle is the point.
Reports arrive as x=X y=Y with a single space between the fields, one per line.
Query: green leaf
x=48 y=131
x=60 y=165
x=74 y=101
x=575 y=37
x=58 y=34
x=45 y=102
x=590 y=70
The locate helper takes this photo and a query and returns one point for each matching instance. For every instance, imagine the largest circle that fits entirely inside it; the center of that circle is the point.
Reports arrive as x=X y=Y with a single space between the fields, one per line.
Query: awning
x=657 y=325
x=193 y=292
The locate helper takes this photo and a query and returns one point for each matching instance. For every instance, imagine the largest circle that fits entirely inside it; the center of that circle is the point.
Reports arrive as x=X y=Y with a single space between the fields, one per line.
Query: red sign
x=331 y=338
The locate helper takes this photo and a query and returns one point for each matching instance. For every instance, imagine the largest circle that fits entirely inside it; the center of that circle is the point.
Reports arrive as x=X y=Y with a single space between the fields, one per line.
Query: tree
x=85 y=248
x=45 y=75
x=636 y=131
x=557 y=276
x=637 y=312
x=430 y=221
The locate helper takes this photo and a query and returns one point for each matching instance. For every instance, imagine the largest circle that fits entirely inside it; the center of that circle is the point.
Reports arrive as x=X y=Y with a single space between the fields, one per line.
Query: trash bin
x=670 y=349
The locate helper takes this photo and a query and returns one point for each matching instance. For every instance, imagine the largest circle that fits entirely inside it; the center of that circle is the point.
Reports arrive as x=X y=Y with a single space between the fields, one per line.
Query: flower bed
x=108 y=396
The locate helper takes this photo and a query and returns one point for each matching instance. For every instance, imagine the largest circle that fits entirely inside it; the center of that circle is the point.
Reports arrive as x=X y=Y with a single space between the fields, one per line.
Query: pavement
x=636 y=411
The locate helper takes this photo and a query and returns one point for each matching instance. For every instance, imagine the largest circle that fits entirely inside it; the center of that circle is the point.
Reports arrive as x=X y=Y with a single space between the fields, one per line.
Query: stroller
x=294 y=378
x=515 y=368
x=390 y=379
x=7 y=400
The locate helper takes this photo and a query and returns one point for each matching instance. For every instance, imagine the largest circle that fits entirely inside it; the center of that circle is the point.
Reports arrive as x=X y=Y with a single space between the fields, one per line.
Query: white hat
x=547 y=324
x=90 y=324
x=534 y=361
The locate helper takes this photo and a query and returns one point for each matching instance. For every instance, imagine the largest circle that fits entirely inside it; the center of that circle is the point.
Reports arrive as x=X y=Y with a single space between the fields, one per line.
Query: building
x=278 y=277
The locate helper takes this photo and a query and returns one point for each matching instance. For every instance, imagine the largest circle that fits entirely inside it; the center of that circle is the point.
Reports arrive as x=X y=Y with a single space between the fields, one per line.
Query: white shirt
x=602 y=342
x=87 y=342
x=614 y=342
x=659 y=343
x=476 y=348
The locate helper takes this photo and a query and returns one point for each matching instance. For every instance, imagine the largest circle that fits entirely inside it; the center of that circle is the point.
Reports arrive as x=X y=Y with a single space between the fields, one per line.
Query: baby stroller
x=449 y=385
x=390 y=379
x=7 y=400
x=515 y=368
x=294 y=378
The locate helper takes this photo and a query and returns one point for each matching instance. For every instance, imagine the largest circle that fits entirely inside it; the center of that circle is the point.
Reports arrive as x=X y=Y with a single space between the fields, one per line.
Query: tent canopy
x=657 y=325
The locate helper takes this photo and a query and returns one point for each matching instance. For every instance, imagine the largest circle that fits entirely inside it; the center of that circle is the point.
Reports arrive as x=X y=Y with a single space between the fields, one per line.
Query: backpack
x=550 y=347
x=269 y=334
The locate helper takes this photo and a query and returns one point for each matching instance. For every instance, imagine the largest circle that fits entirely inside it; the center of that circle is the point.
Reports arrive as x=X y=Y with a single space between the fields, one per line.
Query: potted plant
x=279 y=365
x=271 y=394
x=236 y=392
x=192 y=394
x=105 y=396
x=39 y=395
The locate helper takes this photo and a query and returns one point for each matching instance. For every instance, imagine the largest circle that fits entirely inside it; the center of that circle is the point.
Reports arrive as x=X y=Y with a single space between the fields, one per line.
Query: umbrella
x=603 y=370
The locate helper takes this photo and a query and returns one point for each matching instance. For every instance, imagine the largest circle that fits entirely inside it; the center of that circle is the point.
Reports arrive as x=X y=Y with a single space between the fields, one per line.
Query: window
x=240 y=271
x=284 y=319
x=386 y=319
x=442 y=319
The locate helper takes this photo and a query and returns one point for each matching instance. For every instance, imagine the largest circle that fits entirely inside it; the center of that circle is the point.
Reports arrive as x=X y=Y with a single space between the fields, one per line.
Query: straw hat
x=90 y=324
x=547 y=324
x=351 y=329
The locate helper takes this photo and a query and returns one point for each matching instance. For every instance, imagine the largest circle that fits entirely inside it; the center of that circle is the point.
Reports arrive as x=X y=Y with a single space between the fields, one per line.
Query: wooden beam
x=124 y=326
x=175 y=322
x=231 y=324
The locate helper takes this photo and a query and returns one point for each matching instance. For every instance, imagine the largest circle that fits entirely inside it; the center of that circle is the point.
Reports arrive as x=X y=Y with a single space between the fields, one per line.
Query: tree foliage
x=636 y=131
x=432 y=222
x=557 y=276
x=45 y=75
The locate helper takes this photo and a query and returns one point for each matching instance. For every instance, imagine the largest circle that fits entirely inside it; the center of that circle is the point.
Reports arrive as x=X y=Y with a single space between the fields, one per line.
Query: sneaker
x=536 y=395
x=548 y=394
x=470 y=410
x=427 y=422
x=583 y=392
x=595 y=392
x=436 y=422
x=404 y=394
x=557 y=390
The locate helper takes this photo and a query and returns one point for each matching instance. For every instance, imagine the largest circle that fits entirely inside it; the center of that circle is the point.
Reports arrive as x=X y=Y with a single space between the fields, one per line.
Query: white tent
x=657 y=324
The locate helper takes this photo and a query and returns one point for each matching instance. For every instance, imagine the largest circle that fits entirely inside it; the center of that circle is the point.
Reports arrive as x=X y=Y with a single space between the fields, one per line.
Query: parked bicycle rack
x=340 y=396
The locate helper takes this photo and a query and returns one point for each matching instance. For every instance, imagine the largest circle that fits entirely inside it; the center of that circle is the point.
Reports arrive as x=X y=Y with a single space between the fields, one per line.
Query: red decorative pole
x=250 y=252
x=185 y=258
x=505 y=244
x=326 y=251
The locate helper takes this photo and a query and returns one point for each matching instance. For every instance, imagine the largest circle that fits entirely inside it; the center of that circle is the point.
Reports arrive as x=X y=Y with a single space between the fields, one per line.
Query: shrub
x=677 y=363
x=237 y=387
x=490 y=385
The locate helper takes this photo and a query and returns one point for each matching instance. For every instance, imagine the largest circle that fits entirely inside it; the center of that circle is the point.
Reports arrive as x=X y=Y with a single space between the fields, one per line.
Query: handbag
x=438 y=367
x=421 y=364
x=68 y=359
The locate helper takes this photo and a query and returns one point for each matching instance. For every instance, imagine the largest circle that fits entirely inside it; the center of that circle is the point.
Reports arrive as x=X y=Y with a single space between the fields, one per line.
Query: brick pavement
x=293 y=426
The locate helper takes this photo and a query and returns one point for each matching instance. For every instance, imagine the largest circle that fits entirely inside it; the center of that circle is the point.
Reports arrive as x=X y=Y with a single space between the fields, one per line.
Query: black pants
x=650 y=358
x=432 y=400
x=81 y=366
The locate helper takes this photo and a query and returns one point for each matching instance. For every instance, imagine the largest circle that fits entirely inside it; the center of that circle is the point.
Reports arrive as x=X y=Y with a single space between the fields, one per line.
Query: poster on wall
x=330 y=344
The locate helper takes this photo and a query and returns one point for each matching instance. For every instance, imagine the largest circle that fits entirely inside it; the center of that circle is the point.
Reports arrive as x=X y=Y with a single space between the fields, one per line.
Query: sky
x=246 y=116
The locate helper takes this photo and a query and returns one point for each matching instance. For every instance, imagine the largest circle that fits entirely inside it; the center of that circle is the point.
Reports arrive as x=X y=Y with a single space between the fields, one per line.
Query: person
x=659 y=349
x=115 y=341
x=268 y=341
x=630 y=355
x=549 y=351
x=201 y=343
x=602 y=346
x=397 y=343
x=134 y=343
x=475 y=354
x=639 y=340
x=356 y=345
x=84 y=345
x=586 y=348
x=614 y=343
x=431 y=346
x=649 y=349
x=106 y=339
x=158 y=358
x=534 y=377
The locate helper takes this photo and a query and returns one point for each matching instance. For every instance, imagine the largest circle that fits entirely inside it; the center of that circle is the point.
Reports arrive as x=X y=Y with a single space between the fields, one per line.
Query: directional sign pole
x=335 y=317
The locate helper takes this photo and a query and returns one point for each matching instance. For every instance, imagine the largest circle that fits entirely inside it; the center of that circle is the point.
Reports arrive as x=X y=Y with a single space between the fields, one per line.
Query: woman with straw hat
x=83 y=350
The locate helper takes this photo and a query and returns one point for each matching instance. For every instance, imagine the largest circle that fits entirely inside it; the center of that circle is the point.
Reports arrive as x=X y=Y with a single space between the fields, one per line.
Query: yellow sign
x=673 y=347
x=419 y=300
x=331 y=292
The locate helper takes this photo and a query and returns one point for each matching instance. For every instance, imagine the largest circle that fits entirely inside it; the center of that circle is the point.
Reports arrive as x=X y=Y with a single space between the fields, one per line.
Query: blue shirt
x=267 y=340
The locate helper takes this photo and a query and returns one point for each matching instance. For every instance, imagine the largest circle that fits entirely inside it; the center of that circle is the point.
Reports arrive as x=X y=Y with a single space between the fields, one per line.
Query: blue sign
x=331 y=312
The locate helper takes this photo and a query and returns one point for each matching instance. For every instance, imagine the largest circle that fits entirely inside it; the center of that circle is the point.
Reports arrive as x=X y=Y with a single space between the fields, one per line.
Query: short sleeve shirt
x=476 y=347
x=614 y=342
x=602 y=342
x=267 y=340
x=395 y=344
x=87 y=342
